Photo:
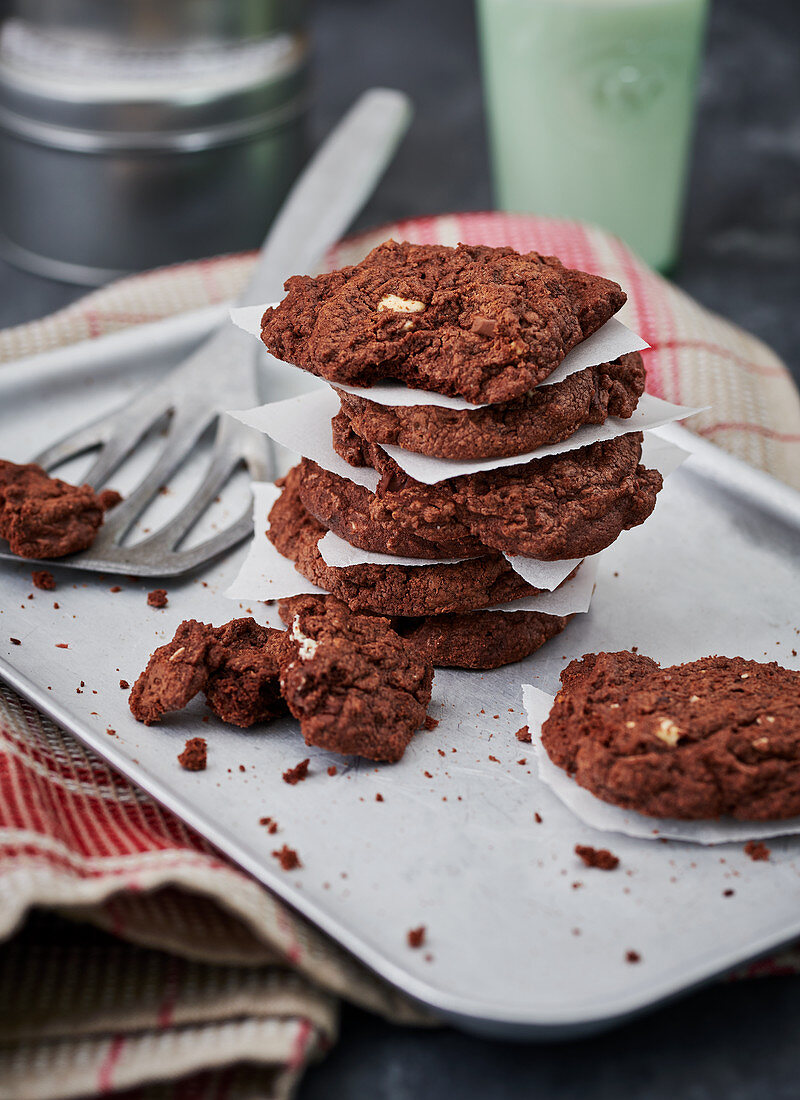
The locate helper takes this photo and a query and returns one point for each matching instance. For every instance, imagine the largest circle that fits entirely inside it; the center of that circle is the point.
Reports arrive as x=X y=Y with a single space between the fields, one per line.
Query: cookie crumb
x=537 y=817
x=494 y=760
x=757 y=850
x=416 y=936
x=430 y=723
x=55 y=607
x=523 y=734
x=15 y=641
x=124 y=685
x=296 y=774
x=62 y=645
x=109 y=498
x=728 y=893
x=194 y=755
x=110 y=732
x=632 y=957
x=43 y=578
x=332 y=769
x=600 y=858
x=115 y=588
x=288 y=858
x=379 y=797
x=157 y=598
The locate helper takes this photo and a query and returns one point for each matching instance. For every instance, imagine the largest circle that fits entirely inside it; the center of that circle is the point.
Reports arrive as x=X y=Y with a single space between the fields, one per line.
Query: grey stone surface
x=729 y=1042
x=741 y=257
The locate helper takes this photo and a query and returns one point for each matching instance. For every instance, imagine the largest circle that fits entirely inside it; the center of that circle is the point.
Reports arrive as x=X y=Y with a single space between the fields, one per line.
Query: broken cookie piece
x=244 y=685
x=237 y=666
x=44 y=517
x=175 y=673
x=355 y=685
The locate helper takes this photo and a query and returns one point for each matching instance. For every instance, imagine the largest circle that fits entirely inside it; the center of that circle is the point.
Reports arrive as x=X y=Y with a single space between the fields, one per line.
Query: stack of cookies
x=474 y=336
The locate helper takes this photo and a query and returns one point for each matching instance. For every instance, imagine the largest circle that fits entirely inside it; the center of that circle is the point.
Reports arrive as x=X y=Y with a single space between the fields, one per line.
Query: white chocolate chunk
x=668 y=732
x=308 y=646
x=395 y=304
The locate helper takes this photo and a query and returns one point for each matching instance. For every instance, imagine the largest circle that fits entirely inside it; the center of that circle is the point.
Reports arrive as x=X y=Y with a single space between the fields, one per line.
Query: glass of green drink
x=590 y=106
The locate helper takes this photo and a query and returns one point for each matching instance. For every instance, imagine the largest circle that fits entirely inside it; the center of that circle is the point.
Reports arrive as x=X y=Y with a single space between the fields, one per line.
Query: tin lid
x=162 y=22
x=87 y=95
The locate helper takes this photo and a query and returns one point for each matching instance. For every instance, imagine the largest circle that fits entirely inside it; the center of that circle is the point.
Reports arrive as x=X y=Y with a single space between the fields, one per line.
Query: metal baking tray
x=522 y=940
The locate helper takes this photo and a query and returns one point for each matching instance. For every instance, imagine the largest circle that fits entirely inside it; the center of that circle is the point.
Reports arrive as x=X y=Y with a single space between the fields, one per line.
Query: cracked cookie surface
x=718 y=736
x=486 y=324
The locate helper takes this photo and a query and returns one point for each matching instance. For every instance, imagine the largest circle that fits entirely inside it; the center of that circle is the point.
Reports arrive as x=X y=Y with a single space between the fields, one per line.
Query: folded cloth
x=134 y=952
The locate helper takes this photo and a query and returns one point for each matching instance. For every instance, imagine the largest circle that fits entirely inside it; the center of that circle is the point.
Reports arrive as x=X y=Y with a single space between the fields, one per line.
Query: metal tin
x=115 y=158
x=155 y=23
x=453 y=843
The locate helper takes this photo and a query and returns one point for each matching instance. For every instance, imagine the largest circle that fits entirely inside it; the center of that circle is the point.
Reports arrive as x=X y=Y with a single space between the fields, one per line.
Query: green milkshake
x=590 y=108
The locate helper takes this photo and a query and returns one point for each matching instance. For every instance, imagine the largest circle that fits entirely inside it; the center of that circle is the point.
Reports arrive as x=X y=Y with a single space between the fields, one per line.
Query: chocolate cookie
x=480 y=639
x=477 y=640
x=45 y=517
x=354 y=513
x=355 y=685
x=237 y=666
x=486 y=324
x=713 y=737
x=548 y=414
x=563 y=506
x=389 y=589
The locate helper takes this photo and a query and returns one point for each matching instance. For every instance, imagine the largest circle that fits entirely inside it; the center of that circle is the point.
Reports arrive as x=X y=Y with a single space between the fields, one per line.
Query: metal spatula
x=221 y=374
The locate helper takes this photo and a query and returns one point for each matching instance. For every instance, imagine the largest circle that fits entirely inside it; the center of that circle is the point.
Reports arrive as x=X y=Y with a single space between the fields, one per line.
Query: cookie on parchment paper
x=718 y=736
x=567 y=505
x=486 y=324
x=548 y=414
x=389 y=589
